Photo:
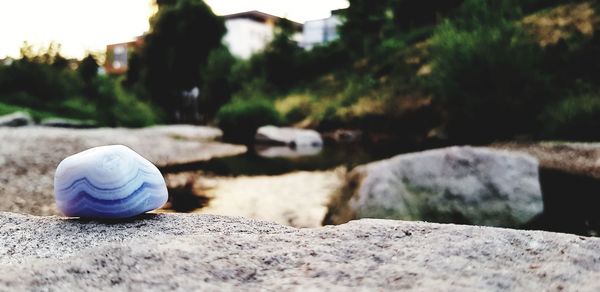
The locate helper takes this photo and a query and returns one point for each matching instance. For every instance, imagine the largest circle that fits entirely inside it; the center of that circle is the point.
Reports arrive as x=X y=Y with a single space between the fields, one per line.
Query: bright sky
x=81 y=26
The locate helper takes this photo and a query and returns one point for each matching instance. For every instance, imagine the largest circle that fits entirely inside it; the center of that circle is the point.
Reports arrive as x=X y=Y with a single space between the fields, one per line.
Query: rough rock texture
x=458 y=184
x=16 y=119
x=29 y=156
x=186 y=252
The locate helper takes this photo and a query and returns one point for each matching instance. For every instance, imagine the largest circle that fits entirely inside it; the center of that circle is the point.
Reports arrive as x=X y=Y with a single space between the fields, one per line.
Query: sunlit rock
x=288 y=136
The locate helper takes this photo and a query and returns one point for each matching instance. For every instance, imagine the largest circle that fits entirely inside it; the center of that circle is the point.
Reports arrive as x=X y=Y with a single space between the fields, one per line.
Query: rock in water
x=288 y=136
x=16 y=119
x=108 y=182
x=477 y=186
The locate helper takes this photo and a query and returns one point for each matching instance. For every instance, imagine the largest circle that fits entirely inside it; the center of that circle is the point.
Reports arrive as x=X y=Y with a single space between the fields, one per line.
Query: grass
x=37 y=115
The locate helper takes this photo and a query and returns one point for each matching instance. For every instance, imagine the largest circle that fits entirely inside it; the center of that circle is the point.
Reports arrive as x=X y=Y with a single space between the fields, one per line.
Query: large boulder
x=186 y=252
x=459 y=184
x=288 y=136
x=16 y=119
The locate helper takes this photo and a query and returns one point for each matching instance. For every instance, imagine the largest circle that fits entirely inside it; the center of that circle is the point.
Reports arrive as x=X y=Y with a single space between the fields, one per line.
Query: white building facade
x=245 y=37
x=320 y=31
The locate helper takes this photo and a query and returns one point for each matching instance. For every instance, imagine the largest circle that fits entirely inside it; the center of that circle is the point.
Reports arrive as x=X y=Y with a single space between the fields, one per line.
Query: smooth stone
x=468 y=185
x=108 y=182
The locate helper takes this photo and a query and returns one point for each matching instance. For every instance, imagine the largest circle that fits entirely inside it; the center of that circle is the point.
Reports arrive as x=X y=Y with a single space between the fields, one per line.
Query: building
x=321 y=31
x=249 y=32
x=117 y=55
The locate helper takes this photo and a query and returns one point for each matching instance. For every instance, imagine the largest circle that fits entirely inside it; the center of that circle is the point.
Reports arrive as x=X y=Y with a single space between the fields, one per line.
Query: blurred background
x=462 y=71
x=372 y=78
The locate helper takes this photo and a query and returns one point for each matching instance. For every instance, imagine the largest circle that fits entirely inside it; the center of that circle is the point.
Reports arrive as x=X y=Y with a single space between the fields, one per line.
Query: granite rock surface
x=185 y=252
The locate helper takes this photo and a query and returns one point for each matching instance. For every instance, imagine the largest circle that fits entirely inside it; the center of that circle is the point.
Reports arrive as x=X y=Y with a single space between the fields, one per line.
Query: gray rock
x=16 y=119
x=288 y=136
x=28 y=161
x=187 y=252
x=67 y=123
x=459 y=184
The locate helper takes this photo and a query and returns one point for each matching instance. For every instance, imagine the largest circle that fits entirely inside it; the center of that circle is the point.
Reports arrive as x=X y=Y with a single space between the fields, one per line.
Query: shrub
x=217 y=81
x=6 y=109
x=240 y=118
x=117 y=107
x=575 y=118
x=295 y=108
x=486 y=74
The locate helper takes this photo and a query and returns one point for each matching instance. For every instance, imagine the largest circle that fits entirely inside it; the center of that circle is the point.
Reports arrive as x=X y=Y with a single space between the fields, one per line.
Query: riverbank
x=210 y=177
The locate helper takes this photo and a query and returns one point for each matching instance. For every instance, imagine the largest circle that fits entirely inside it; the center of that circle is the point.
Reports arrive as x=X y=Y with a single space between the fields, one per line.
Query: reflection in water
x=288 y=152
x=275 y=160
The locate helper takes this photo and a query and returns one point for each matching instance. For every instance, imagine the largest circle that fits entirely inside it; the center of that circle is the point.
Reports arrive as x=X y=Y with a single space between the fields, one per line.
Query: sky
x=83 y=26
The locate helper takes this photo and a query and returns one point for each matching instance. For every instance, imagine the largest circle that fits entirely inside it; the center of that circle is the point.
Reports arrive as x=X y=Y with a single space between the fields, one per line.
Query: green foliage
x=296 y=107
x=88 y=68
x=175 y=51
x=35 y=114
x=217 y=81
x=240 y=118
x=370 y=23
x=413 y=14
x=577 y=117
x=364 y=26
x=279 y=62
x=486 y=74
x=41 y=83
x=38 y=79
x=118 y=107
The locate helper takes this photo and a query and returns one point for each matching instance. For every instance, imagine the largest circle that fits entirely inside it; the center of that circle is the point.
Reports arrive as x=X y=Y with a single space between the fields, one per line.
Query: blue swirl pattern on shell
x=108 y=182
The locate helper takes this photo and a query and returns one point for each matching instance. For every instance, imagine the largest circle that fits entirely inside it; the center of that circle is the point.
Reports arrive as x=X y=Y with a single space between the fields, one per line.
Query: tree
x=281 y=56
x=364 y=24
x=217 y=85
x=175 y=50
x=410 y=14
x=88 y=68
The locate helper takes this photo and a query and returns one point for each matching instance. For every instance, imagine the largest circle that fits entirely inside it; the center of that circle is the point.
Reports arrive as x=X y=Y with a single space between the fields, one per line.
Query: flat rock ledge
x=212 y=253
x=29 y=156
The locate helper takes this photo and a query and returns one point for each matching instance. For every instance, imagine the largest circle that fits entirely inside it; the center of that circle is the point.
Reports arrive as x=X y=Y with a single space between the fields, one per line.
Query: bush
x=240 y=118
x=6 y=109
x=117 y=107
x=295 y=108
x=217 y=81
x=43 y=84
x=575 y=118
x=486 y=75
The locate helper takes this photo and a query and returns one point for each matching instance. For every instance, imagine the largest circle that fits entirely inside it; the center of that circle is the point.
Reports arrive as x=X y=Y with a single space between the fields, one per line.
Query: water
x=276 y=160
x=568 y=202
